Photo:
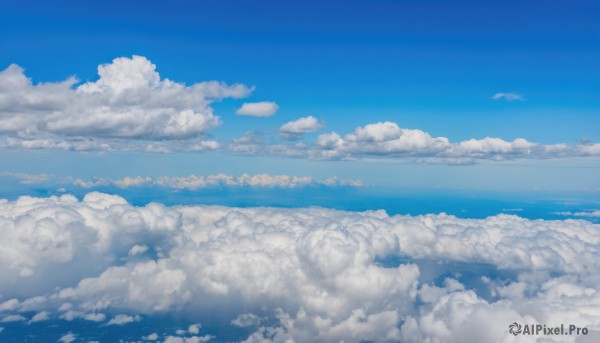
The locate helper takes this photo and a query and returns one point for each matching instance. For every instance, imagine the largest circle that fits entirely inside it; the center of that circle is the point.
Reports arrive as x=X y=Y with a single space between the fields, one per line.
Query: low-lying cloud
x=306 y=274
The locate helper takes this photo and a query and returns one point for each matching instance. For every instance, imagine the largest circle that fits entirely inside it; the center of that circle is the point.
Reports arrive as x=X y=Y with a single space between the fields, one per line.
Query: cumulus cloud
x=313 y=274
x=128 y=101
x=388 y=140
x=508 y=97
x=194 y=182
x=258 y=109
x=295 y=129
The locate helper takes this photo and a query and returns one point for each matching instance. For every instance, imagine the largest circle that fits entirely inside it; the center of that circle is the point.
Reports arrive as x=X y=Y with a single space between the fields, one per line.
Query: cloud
x=314 y=274
x=590 y=214
x=245 y=320
x=68 y=338
x=128 y=101
x=194 y=182
x=295 y=129
x=122 y=319
x=41 y=316
x=27 y=179
x=12 y=318
x=508 y=97
x=151 y=337
x=258 y=109
x=388 y=140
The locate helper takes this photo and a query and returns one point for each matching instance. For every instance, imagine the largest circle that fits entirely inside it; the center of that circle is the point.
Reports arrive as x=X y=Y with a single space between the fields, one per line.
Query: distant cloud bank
x=193 y=182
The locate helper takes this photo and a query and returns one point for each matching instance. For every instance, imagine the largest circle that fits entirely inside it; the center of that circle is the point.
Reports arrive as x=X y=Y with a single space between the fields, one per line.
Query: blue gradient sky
x=427 y=65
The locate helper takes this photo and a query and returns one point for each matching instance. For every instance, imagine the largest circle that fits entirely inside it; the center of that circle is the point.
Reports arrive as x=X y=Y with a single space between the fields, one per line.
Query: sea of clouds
x=303 y=275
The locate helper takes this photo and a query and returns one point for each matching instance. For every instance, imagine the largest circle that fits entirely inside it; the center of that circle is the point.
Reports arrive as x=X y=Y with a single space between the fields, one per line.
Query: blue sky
x=426 y=65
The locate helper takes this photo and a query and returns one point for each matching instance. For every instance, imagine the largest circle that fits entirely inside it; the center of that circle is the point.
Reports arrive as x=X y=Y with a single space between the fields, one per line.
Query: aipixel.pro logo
x=546 y=330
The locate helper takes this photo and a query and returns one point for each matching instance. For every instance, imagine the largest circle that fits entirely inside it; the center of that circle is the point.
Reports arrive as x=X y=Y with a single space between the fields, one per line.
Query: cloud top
x=305 y=274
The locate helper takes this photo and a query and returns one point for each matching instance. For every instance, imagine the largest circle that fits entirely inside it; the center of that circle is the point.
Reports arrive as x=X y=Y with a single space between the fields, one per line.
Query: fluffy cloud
x=388 y=140
x=258 y=109
x=295 y=129
x=308 y=274
x=128 y=101
x=508 y=97
x=194 y=182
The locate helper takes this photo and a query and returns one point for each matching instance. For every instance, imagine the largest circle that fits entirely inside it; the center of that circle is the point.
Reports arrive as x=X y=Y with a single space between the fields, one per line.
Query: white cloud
x=295 y=129
x=128 y=101
x=194 y=182
x=41 y=316
x=68 y=338
x=258 y=109
x=27 y=179
x=122 y=319
x=94 y=317
x=315 y=274
x=9 y=305
x=388 y=140
x=192 y=339
x=590 y=214
x=508 y=97
x=137 y=249
x=12 y=318
x=245 y=320
x=194 y=329
x=151 y=337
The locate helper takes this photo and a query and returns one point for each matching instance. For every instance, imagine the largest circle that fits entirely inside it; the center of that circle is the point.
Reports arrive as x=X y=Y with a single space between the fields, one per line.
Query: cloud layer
x=128 y=101
x=308 y=274
x=193 y=182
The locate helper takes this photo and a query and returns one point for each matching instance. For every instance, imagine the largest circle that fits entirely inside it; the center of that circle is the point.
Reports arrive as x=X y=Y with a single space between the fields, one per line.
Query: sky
x=466 y=70
x=286 y=171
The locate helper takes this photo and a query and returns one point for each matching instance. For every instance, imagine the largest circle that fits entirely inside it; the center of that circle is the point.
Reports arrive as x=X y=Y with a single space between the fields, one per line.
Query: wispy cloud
x=508 y=97
x=258 y=109
x=27 y=179
x=194 y=182
x=588 y=214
